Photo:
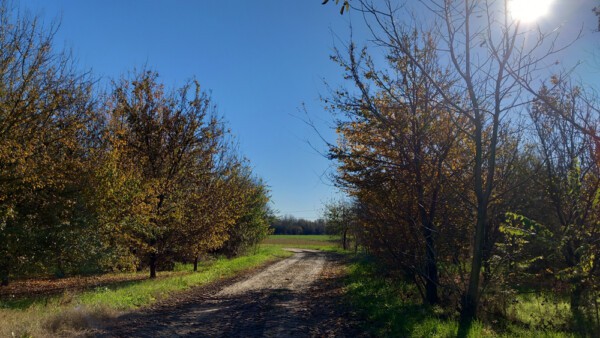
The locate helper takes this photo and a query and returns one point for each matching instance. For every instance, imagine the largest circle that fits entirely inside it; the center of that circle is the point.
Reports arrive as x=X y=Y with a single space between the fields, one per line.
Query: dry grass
x=52 y=286
x=77 y=321
x=60 y=318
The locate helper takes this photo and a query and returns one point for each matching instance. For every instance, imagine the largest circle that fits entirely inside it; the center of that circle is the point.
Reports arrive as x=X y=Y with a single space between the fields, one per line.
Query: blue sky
x=262 y=60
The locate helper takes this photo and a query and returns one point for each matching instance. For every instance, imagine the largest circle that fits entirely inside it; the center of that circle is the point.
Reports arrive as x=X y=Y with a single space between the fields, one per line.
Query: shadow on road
x=288 y=299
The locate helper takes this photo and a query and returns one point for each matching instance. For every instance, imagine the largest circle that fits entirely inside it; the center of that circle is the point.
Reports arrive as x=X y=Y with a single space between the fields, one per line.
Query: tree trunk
x=431 y=270
x=3 y=275
x=487 y=271
x=428 y=229
x=196 y=263
x=576 y=295
x=482 y=191
x=152 y=265
x=471 y=298
x=344 y=244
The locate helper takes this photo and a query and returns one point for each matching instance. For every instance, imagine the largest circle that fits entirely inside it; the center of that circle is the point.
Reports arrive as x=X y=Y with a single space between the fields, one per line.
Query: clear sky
x=262 y=60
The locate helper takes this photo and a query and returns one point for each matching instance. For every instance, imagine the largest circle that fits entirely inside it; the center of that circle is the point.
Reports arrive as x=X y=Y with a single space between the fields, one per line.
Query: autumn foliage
x=138 y=177
x=467 y=178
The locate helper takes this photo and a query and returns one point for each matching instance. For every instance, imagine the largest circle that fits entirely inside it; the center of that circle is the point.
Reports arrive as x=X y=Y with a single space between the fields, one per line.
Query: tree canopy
x=137 y=177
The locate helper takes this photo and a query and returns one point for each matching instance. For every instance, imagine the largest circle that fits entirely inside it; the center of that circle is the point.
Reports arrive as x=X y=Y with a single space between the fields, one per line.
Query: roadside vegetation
x=111 y=187
x=137 y=177
x=70 y=312
x=472 y=172
x=392 y=307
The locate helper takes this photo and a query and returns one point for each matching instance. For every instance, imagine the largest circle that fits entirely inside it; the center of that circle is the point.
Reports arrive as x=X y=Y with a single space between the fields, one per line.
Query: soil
x=39 y=287
x=300 y=296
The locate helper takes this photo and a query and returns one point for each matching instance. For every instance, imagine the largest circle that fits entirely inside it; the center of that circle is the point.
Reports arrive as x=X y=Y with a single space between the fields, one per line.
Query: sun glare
x=529 y=10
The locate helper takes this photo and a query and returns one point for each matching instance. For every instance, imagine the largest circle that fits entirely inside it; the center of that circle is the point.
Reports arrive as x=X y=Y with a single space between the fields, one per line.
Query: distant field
x=303 y=241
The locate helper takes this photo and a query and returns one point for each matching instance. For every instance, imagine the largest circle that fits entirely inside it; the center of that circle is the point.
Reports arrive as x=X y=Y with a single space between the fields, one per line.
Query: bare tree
x=492 y=57
x=571 y=181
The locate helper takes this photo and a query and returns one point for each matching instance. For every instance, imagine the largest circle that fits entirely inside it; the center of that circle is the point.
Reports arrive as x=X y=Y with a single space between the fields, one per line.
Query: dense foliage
x=90 y=182
x=465 y=176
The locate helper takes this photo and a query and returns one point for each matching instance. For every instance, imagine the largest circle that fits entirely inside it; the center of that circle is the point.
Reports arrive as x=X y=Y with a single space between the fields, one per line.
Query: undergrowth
x=393 y=308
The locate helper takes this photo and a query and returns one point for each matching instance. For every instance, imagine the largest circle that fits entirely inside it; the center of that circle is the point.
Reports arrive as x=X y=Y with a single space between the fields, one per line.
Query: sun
x=528 y=10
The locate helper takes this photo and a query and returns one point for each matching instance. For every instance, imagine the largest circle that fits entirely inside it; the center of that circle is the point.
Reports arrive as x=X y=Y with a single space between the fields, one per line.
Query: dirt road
x=295 y=297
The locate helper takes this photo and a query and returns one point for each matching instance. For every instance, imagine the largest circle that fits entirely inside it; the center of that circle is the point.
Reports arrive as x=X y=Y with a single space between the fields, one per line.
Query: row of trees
x=466 y=174
x=140 y=176
x=290 y=225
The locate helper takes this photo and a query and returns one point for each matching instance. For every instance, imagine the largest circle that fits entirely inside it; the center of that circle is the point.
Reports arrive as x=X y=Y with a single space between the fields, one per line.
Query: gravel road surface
x=297 y=297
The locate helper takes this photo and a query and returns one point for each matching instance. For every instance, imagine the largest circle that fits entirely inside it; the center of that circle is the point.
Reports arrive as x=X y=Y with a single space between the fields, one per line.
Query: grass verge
x=70 y=313
x=393 y=308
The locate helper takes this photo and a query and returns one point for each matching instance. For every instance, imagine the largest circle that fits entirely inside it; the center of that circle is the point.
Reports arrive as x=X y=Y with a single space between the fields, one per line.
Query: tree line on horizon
x=290 y=225
x=472 y=168
x=137 y=177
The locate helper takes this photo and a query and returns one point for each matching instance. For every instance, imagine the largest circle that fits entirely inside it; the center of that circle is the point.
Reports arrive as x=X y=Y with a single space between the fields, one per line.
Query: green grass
x=317 y=242
x=318 y=238
x=541 y=310
x=147 y=291
x=71 y=311
x=393 y=308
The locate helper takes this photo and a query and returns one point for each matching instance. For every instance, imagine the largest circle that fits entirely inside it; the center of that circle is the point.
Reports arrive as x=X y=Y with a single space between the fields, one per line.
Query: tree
x=484 y=50
x=255 y=215
x=290 y=225
x=399 y=138
x=345 y=5
x=159 y=139
x=48 y=131
x=213 y=205
x=572 y=182
x=86 y=187
x=340 y=220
